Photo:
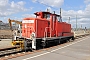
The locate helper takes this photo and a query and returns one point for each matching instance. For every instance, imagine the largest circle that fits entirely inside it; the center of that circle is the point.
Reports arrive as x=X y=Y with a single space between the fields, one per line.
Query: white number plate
x=28 y=21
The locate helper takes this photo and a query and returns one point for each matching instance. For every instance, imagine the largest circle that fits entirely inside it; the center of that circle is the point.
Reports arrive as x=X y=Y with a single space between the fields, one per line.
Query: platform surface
x=5 y=43
x=77 y=50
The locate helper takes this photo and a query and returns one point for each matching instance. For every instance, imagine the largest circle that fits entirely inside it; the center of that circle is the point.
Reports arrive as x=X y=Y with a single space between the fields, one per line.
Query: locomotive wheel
x=43 y=44
x=68 y=40
x=73 y=38
x=59 y=41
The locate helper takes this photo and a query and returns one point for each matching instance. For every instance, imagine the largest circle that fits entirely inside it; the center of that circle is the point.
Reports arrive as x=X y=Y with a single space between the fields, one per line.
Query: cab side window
x=47 y=16
x=58 y=18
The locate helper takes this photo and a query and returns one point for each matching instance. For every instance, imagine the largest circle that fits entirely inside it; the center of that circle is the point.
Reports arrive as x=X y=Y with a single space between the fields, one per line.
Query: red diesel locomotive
x=44 y=29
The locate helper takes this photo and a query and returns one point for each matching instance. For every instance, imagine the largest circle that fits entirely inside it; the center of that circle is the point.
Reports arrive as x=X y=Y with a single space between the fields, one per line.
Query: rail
x=8 y=51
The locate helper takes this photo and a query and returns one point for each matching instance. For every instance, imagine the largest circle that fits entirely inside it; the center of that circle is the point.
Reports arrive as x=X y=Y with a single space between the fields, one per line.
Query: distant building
x=0 y=21
x=4 y=25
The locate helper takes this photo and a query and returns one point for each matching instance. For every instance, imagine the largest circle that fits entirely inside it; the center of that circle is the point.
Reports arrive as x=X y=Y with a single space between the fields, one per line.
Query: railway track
x=8 y=51
x=12 y=52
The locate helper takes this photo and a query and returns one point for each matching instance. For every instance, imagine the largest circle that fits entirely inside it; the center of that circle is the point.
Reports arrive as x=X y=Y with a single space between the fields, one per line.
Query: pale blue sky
x=18 y=9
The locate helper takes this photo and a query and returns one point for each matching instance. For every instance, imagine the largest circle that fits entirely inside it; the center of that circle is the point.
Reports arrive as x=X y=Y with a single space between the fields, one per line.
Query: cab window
x=58 y=18
x=47 y=16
